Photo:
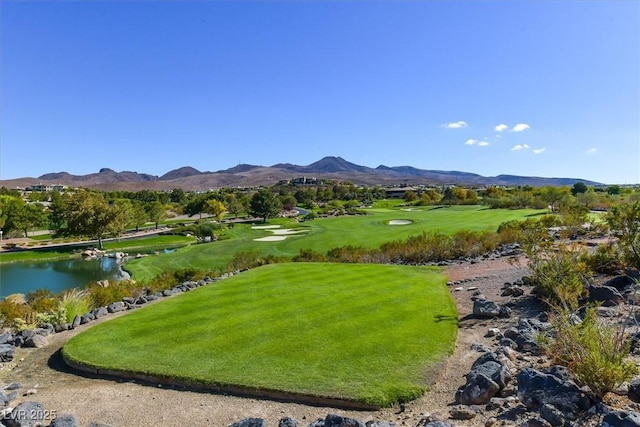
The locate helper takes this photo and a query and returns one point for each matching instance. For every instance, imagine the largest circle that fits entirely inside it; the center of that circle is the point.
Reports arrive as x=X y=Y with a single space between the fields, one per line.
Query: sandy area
x=127 y=404
x=400 y=222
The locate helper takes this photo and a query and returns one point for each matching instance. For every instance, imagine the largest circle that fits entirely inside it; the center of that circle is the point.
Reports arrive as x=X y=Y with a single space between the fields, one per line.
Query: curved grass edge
x=277 y=395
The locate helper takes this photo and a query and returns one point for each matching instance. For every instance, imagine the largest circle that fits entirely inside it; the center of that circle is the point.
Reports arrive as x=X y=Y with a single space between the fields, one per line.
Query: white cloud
x=498 y=136
x=501 y=127
x=470 y=141
x=591 y=150
x=521 y=127
x=539 y=150
x=455 y=125
x=483 y=143
x=519 y=147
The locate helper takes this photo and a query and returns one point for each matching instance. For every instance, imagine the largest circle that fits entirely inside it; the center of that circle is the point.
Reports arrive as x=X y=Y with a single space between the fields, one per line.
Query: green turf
x=325 y=233
x=368 y=333
x=50 y=253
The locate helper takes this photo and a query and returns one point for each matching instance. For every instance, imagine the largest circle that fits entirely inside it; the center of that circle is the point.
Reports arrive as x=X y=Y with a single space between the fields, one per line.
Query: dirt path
x=127 y=404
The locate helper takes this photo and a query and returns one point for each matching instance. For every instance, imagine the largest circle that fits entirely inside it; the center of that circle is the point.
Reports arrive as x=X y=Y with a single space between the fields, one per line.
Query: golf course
x=365 y=334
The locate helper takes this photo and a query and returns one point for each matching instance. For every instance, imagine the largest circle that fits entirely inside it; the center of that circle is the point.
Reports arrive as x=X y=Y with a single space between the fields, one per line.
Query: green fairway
x=326 y=233
x=366 y=333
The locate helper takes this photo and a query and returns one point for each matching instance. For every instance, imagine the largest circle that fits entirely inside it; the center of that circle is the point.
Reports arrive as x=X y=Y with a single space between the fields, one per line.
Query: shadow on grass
x=453 y=320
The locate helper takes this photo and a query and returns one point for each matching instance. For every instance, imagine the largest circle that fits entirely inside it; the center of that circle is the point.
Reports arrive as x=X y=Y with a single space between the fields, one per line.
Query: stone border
x=281 y=396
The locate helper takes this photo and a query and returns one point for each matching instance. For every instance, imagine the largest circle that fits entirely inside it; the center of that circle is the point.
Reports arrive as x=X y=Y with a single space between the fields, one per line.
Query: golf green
x=357 y=333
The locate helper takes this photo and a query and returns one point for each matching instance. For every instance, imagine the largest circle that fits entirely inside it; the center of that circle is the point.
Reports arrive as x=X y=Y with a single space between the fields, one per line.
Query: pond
x=23 y=277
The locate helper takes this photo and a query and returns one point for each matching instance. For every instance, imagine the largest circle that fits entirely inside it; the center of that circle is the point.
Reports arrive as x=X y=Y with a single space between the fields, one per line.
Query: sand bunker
x=279 y=234
x=287 y=231
x=400 y=222
x=270 y=239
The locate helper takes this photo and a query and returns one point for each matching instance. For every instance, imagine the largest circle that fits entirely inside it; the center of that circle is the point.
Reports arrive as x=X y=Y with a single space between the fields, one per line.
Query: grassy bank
x=367 y=333
x=70 y=250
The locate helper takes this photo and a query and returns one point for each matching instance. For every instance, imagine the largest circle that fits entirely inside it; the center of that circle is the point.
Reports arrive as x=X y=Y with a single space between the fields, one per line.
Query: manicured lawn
x=367 y=333
x=145 y=245
x=326 y=233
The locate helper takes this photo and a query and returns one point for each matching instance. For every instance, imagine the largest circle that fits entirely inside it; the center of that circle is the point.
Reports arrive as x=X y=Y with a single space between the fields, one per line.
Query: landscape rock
x=607 y=295
x=478 y=390
x=287 y=422
x=250 y=422
x=115 y=307
x=65 y=420
x=27 y=414
x=5 y=338
x=76 y=321
x=36 y=341
x=7 y=352
x=484 y=308
x=537 y=388
x=333 y=420
x=621 y=419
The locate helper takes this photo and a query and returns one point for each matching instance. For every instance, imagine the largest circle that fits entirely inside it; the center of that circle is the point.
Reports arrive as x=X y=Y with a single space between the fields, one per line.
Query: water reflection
x=56 y=276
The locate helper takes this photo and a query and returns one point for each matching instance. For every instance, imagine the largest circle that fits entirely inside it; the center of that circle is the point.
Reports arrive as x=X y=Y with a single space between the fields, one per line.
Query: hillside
x=243 y=175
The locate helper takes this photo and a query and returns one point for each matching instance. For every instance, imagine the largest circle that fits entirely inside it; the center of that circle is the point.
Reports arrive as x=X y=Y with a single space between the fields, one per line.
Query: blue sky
x=492 y=87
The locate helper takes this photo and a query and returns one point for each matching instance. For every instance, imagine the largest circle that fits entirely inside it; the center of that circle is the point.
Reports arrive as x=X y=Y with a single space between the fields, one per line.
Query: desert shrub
x=624 y=220
x=347 y=254
x=101 y=296
x=595 y=353
x=74 y=302
x=528 y=232
x=558 y=274
x=606 y=258
x=309 y=255
x=245 y=259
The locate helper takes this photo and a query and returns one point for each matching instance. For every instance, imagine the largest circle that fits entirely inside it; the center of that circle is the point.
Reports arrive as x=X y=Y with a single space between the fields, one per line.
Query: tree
x=288 y=202
x=553 y=196
x=578 y=188
x=88 y=214
x=216 y=208
x=156 y=212
x=234 y=205
x=264 y=204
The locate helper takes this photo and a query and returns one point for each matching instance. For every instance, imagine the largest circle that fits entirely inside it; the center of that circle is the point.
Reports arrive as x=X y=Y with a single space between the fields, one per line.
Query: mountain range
x=244 y=175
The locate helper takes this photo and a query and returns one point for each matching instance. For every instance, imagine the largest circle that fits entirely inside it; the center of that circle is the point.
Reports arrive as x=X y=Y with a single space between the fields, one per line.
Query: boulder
x=5 y=338
x=7 y=351
x=115 y=307
x=27 y=414
x=250 y=422
x=333 y=420
x=607 y=295
x=100 y=312
x=76 y=321
x=484 y=308
x=621 y=419
x=65 y=420
x=287 y=422
x=7 y=398
x=537 y=388
x=36 y=341
x=621 y=282
x=478 y=390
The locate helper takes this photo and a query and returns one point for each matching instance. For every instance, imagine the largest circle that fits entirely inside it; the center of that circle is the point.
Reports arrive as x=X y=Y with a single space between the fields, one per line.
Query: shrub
x=607 y=259
x=42 y=300
x=14 y=307
x=624 y=220
x=558 y=274
x=101 y=296
x=74 y=302
x=309 y=255
x=245 y=259
x=594 y=352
